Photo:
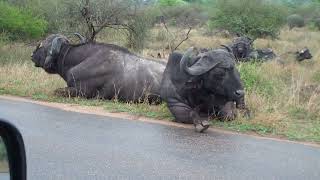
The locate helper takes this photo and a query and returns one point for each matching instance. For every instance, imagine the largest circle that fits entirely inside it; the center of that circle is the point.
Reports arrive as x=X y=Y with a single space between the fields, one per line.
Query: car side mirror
x=12 y=153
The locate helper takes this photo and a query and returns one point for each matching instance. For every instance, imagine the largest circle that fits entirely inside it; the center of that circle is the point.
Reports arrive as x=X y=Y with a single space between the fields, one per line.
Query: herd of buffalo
x=195 y=85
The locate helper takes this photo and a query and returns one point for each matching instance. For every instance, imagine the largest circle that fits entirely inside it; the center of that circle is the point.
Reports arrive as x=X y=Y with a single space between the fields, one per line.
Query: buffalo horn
x=82 y=39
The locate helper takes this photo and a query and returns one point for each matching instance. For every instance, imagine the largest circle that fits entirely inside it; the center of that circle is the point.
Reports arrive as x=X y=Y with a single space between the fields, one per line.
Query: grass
x=284 y=99
x=4 y=168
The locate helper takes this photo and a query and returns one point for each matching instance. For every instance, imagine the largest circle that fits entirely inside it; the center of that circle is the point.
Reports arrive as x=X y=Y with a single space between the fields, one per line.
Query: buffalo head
x=303 y=54
x=47 y=52
x=217 y=72
x=241 y=47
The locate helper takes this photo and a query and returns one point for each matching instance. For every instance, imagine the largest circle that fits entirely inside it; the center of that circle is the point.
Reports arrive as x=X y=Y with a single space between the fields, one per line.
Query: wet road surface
x=68 y=145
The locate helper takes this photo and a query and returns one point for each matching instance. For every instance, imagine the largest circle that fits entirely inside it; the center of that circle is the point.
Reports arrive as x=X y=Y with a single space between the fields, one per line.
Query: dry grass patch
x=284 y=99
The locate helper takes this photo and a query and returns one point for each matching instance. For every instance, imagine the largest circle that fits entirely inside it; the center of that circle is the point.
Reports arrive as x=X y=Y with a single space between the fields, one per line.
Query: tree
x=254 y=18
x=20 y=23
x=97 y=15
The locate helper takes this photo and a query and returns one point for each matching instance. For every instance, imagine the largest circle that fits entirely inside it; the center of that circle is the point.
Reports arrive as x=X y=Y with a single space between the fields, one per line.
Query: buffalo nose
x=239 y=93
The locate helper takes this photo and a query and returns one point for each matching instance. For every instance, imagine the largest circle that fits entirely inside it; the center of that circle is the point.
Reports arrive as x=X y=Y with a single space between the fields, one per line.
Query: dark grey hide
x=241 y=48
x=303 y=54
x=262 y=54
x=100 y=70
x=198 y=85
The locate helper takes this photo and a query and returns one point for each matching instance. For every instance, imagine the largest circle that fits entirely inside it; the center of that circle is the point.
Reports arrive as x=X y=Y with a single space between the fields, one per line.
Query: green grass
x=316 y=77
x=283 y=99
x=3 y=158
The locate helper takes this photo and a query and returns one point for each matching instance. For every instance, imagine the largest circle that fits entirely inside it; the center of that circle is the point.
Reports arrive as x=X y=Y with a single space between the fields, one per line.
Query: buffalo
x=303 y=54
x=241 y=47
x=100 y=70
x=262 y=54
x=198 y=85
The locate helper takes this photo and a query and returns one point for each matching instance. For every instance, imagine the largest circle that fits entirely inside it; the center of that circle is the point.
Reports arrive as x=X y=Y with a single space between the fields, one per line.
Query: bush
x=295 y=20
x=317 y=23
x=308 y=11
x=253 y=18
x=182 y=15
x=20 y=23
x=170 y=2
x=138 y=30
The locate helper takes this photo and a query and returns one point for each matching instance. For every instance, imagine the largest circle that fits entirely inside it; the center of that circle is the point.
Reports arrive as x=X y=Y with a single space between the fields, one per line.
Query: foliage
x=317 y=23
x=185 y=15
x=138 y=30
x=170 y=2
x=254 y=18
x=274 y=92
x=254 y=81
x=295 y=20
x=307 y=11
x=20 y=23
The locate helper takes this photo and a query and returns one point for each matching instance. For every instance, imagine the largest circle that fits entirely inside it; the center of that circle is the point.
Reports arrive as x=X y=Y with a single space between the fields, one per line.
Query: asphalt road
x=68 y=145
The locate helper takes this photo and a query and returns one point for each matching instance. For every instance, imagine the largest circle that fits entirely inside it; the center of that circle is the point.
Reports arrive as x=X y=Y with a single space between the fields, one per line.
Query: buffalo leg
x=185 y=114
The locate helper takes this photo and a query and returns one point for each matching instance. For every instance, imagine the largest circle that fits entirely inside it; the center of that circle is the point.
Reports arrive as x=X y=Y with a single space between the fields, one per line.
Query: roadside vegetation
x=4 y=166
x=284 y=98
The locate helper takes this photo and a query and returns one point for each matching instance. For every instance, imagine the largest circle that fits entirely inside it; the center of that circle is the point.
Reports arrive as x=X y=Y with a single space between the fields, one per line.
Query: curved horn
x=53 y=51
x=82 y=39
x=56 y=46
x=204 y=61
x=185 y=58
x=227 y=47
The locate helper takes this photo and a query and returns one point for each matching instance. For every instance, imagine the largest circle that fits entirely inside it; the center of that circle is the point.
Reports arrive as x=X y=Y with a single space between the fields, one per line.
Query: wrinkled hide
x=198 y=85
x=303 y=54
x=100 y=70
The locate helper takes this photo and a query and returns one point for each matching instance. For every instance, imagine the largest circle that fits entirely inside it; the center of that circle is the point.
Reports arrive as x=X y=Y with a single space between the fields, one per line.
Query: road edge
x=93 y=110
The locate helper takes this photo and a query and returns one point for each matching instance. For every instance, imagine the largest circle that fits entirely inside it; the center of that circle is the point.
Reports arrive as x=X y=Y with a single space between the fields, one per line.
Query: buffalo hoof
x=202 y=126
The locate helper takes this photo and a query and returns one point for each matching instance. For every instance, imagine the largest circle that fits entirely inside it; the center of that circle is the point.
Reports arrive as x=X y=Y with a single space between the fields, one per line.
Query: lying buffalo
x=241 y=47
x=100 y=70
x=197 y=85
x=262 y=54
x=303 y=54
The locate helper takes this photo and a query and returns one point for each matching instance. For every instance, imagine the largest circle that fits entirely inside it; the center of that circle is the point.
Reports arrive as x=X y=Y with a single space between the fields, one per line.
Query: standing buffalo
x=100 y=70
x=197 y=85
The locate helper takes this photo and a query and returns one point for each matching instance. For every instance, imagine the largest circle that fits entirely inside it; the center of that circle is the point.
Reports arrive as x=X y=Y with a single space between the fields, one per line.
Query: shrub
x=253 y=18
x=317 y=23
x=308 y=11
x=184 y=15
x=295 y=20
x=20 y=23
x=138 y=30
x=170 y=2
